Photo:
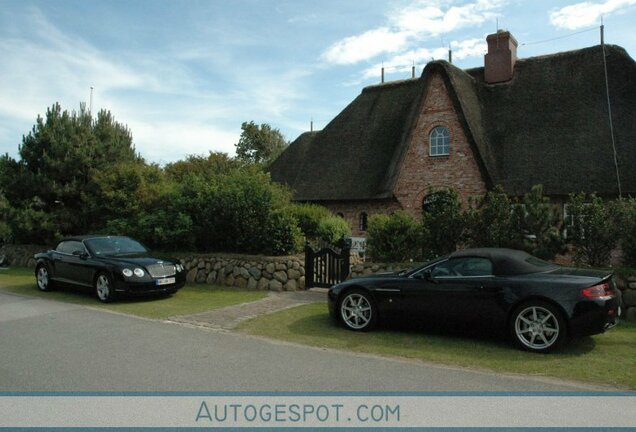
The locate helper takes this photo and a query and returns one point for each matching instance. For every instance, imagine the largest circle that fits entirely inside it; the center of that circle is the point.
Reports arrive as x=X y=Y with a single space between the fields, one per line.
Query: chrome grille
x=161 y=270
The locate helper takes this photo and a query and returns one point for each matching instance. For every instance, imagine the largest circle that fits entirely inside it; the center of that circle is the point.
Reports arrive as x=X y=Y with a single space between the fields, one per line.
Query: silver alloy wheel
x=43 y=278
x=537 y=328
x=356 y=311
x=102 y=286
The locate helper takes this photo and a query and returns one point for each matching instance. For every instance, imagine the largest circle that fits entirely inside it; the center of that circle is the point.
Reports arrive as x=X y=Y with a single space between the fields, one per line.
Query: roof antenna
x=90 y=106
x=497 y=20
x=450 y=54
x=413 y=70
x=311 y=125
x=382 y=72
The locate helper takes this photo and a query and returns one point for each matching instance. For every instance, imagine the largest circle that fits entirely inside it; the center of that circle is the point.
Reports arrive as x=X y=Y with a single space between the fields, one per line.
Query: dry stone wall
x=245 y=271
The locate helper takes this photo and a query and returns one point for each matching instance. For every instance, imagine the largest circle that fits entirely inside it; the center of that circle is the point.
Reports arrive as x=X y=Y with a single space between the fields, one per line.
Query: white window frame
x=435 y=147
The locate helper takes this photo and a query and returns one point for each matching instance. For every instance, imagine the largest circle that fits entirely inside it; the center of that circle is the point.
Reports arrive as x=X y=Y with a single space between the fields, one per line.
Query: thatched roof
x=548 y=125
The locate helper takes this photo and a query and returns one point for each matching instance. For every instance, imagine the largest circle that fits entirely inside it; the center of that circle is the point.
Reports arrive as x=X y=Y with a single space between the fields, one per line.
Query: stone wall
x=246 y=271
x=628 y=287
x=20 y=255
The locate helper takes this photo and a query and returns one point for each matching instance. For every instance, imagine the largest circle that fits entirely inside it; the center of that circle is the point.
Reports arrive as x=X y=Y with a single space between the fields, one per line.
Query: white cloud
x=469 y=48
x=364 y=46
x=586 y=14
x=170 y=108
x=164 y=142
x=420 y=20
x=425 y=19
x=402 y=64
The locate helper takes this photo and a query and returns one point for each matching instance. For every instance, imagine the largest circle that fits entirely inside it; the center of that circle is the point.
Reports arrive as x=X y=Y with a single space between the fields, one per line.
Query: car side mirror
x=427 y=275
x=81 y=254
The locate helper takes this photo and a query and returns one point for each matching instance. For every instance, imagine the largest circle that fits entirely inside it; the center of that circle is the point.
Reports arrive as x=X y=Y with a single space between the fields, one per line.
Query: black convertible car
x=108 y=265
x=539 y=303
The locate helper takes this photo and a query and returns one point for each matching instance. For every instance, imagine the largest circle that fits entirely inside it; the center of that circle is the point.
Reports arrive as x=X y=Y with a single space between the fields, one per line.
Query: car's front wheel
x=358 y=311
x=538 y=326
x=43 y=278
x=104 y=288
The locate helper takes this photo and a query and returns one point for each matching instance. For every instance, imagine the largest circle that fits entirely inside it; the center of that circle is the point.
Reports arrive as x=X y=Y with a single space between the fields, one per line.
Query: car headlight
x=127 y=272
x=179 y=267
x=139 y=272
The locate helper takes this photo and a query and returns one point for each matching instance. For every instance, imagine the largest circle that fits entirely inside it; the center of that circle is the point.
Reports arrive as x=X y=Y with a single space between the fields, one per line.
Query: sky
x=184 y=75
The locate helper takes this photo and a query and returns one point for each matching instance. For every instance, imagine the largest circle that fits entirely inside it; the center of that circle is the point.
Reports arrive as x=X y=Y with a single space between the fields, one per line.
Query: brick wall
x=420 y=172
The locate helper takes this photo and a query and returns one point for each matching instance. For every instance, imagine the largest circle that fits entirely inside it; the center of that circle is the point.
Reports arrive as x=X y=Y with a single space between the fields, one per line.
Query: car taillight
x=597 y=291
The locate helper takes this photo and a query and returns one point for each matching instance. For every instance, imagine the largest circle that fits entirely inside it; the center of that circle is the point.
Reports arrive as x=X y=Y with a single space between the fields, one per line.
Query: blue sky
x=184 y=75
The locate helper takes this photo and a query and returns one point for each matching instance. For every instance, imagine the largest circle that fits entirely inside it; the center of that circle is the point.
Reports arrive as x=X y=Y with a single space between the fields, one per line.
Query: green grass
x=189 y=300
x=609 y=358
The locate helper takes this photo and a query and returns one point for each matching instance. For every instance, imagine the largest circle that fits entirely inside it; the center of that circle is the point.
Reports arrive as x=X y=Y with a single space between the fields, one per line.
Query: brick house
x=514 y=122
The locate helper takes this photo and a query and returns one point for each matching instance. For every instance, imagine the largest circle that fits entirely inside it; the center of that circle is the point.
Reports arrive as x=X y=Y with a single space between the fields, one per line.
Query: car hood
x=137 y=260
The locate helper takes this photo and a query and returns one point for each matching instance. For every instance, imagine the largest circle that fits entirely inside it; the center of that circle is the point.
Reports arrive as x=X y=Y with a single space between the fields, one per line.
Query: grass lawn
x=188 y=300
x=608 y=358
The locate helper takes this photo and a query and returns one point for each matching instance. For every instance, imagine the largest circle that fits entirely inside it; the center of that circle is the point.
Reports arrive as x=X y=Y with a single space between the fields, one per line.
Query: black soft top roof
x=507 y=262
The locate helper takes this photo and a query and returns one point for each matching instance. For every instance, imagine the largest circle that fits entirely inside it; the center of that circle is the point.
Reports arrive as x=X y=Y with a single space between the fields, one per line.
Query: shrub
x=283 y=235
x=539 y=223
x=5 y=216
x=309 y=217
x=395 y=238
x=331 y=229
x=626 y=221
x=442 y=223
x=595 y=233
x=490 y=223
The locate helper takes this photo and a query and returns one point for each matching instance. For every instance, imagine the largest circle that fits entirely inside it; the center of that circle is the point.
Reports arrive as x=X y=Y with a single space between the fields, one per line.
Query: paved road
x=52 y=346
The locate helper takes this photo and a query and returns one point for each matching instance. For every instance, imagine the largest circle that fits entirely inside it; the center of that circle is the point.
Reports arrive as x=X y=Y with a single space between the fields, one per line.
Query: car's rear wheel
x=357 y=311
x=104 y=288
x=43 y=278
x=538 y=326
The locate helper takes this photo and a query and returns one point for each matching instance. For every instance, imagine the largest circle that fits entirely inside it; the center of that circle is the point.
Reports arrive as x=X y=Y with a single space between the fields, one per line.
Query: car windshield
x=114 y=246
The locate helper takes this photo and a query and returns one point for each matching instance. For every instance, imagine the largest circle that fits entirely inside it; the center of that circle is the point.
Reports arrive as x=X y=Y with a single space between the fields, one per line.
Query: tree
x=538 y=222
x=626 y=210
x=54 y=178
x=259 y=144
x=206 y=167
x=442 y=223
x=490 y=222
x=595 y=229
x=5 y=212
x=395 y=238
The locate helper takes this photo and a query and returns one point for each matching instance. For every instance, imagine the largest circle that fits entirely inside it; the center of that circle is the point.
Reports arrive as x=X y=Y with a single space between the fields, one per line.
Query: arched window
x=439 y=141
x=363 y=221
x=436 y=201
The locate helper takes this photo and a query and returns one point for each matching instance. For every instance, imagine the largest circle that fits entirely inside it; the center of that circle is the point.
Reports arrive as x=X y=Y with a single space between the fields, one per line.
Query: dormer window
x=439 y=141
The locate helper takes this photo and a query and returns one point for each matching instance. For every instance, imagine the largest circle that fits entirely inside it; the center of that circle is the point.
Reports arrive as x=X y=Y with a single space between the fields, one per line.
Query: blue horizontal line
x=297 y=393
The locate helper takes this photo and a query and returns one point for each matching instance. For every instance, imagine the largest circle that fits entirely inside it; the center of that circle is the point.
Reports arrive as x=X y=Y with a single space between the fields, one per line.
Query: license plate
x=166 y=281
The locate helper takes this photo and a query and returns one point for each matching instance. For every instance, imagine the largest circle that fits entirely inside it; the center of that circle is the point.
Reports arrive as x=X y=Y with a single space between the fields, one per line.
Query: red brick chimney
x=501 y=57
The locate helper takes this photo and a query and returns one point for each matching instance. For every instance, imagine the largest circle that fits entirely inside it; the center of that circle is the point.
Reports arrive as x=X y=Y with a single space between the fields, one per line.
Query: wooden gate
x=326 y=267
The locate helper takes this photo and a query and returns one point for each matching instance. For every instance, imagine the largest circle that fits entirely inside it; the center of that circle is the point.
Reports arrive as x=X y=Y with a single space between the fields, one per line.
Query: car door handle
x=488 y=288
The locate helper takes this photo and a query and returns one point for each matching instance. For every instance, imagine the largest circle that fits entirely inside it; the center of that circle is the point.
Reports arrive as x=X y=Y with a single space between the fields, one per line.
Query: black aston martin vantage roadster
x=539 y=303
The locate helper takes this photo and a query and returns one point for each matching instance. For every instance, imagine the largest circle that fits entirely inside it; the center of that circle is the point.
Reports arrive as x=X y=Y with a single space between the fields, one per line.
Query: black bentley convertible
x=109 y=266
x=540 y=304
